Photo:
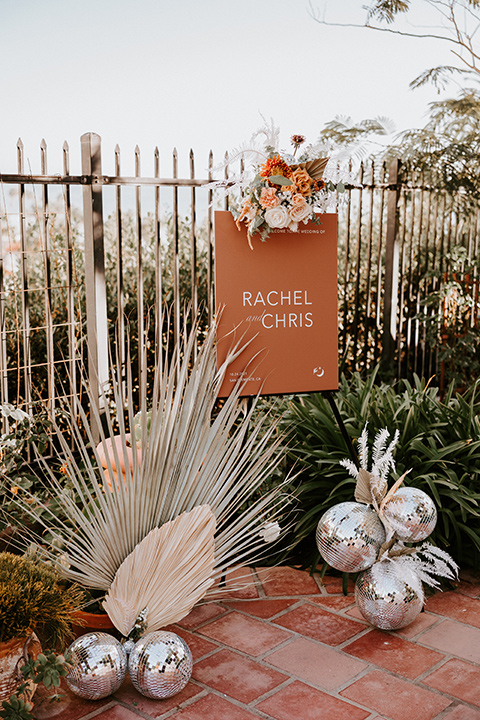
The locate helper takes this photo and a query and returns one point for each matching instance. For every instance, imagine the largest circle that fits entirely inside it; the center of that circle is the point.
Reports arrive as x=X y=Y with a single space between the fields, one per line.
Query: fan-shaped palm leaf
x=168 y=572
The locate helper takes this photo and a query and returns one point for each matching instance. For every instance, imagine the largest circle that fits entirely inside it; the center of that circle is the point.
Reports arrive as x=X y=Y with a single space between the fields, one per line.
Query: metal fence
x=90 y=261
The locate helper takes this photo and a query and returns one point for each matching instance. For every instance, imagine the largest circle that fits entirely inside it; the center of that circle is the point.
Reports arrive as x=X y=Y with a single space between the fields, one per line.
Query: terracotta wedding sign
x=282 y=297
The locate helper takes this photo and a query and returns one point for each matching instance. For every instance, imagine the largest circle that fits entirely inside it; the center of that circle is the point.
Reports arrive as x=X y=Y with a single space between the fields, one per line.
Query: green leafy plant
x=35 y=600
x=439 y=439
x=47 y=669
x=16 y=474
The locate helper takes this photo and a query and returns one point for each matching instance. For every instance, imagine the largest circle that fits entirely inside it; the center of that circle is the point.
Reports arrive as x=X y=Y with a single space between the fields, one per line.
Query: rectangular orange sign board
x=282 y=295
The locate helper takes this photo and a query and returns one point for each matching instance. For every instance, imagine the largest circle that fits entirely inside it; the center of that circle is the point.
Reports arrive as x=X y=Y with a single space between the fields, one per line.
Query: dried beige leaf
x=363 y=489
x=168 y=572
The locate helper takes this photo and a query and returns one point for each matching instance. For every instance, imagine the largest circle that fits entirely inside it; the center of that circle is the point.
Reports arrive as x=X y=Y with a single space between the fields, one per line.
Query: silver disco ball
x=160 y=664
x=411 y=513
x=387 y=600
x=349 y=536
x=99 y=665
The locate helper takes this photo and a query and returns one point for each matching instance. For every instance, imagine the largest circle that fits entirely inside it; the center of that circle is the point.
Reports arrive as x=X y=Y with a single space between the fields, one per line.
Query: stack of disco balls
x=159 y=664
x=373 y=537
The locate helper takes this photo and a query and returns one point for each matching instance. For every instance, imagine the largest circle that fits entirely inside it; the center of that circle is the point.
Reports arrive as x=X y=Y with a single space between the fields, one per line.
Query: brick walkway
x=293 y=648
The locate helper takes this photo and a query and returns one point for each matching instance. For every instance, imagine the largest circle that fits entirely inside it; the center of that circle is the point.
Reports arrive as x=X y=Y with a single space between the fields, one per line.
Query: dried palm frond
x=167 y=573
x=187 y=460
x=314 y=168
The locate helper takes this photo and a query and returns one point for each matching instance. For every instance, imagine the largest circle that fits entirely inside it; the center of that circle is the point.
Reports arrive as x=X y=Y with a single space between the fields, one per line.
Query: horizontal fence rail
x=89 y=262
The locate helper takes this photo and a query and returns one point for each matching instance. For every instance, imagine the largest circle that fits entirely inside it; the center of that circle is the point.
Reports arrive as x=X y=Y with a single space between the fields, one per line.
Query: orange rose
x=302 y=181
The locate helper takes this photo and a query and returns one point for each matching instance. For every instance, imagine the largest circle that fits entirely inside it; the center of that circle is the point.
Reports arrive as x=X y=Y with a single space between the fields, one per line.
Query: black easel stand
x=353 y=453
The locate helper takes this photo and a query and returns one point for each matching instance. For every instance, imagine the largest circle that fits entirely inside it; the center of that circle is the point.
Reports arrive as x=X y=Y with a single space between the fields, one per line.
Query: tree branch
x=384 y=29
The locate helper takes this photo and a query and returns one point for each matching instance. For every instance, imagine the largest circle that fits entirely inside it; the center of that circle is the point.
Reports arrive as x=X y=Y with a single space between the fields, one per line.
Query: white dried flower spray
x=372 y=484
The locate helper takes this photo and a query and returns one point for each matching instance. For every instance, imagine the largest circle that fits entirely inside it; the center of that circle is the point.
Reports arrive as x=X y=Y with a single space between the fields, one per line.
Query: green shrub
x=33 y=599
x=439 y=441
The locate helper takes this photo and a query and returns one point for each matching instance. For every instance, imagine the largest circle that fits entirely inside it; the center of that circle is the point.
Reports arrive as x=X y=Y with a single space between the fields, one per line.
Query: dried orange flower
x=275 y=166
x=297 y=140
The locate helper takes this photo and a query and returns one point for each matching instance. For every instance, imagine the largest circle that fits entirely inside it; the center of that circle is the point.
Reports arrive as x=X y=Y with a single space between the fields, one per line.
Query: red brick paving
x=395 y=697
x=292 y=648
x=393 y=653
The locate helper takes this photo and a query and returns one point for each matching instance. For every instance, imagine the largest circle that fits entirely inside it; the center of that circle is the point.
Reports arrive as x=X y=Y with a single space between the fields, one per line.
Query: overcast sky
x=194 y=73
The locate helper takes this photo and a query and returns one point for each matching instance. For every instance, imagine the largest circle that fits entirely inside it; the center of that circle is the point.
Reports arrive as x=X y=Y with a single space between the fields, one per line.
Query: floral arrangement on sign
x=280 y=189
x=381 y=536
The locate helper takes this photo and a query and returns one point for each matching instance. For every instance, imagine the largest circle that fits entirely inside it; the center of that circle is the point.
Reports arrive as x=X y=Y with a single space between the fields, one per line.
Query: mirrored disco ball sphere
x=160 y=664
x=386 y=600
x=349 y=536
x=99 y=665
x=411 y=513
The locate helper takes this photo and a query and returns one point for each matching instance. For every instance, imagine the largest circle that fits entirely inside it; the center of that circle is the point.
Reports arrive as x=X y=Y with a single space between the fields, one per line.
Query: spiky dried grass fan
x=195 y=481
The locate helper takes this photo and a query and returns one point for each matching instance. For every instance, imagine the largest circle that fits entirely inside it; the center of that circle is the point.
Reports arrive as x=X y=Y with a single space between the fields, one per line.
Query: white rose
x=298 y=213
x=277 y=217
x=270 y=532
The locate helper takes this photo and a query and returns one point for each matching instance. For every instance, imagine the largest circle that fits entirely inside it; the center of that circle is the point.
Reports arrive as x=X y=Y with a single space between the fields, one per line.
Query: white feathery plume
x=383 y=459
x=363 y=448
x=404 y=570
x=350 y=466
x=379 y=445
x=421 y=565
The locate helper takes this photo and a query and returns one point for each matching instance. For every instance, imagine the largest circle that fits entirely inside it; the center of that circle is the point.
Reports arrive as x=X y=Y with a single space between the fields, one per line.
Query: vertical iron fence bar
x=95 y=287
x=401 y=301
x=424 y=286
x=417 y=281
x=368 y=302
x=70 y=260
x=475 y=288
x=210 y=288
x=432 y=351
x=356 y=302
x=142 y=350
x=45 y=238
x=226 y=176
x=378 y=301
x=390 y=301
x=193 y=246
x=176 y=259
x=410 y=299
x=27 y=369
x=158 y=267
x=120 y=324
x=3 y=325
x=346 y=270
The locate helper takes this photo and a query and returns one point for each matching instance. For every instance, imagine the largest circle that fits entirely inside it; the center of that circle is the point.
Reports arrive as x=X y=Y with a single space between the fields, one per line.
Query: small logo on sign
x=319 y=371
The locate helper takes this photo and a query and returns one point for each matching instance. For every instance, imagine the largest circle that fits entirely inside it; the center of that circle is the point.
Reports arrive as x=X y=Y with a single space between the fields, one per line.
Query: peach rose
x=302 y=181
x=269 y=198
x=298 y=199
x=297 y=213
x=277 y=217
